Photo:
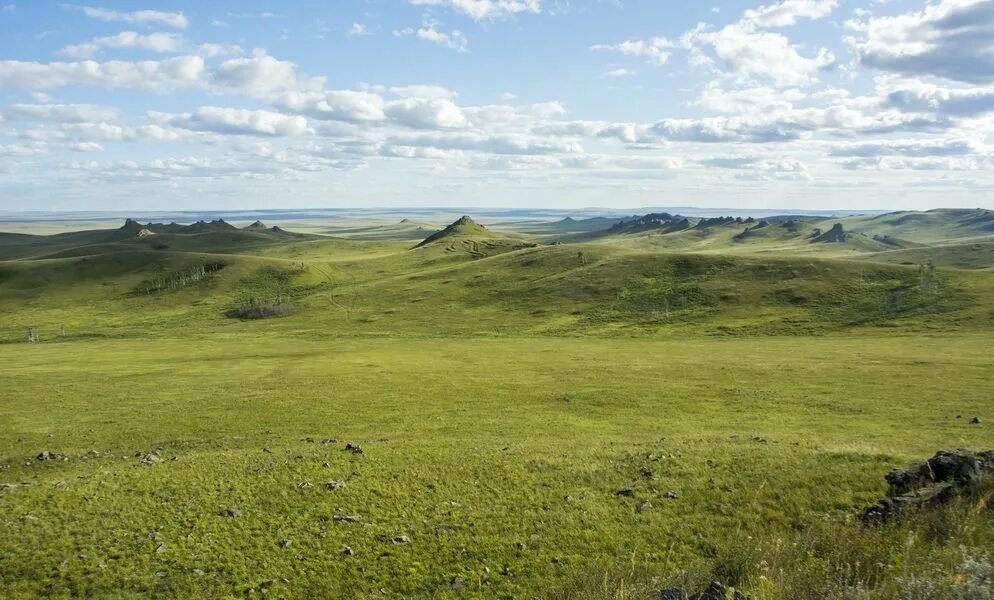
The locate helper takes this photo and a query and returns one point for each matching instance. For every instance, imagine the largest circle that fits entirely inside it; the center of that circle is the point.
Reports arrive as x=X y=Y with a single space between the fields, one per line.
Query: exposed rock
x=936 y=481
x=161 y=548
x=345 y=518
x=6 y=487
x=334 y=485
x=626 y=492
x=151 y=458
x=303 y=485
x=837 y=234
x=48 y=455
x=354 y=448
x=715 y=591
x=673 y=495
x=231 y=512
x=643 y=506
x=348 y=551
x=401 y=539
x=329 y=441
x=975 y=421
x=285 y=543
x=458 y=582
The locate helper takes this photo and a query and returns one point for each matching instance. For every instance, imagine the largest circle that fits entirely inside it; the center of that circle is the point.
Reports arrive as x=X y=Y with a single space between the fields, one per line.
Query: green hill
x=466 y=236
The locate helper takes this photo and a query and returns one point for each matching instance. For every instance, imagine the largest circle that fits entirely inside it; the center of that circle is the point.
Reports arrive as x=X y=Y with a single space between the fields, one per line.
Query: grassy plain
x=502 y=401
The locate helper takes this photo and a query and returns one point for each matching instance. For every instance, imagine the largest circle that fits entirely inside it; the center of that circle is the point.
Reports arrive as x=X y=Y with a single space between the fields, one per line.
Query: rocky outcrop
x=936 y=481
x=836 y=235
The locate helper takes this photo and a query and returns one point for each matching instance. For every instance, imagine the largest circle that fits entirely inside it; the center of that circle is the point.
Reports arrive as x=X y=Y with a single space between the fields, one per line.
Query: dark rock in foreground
x=938 y=480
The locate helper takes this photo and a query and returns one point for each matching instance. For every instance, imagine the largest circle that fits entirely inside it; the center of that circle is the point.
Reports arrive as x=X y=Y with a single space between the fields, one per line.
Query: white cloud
x=656 y=51
x=910 y=148
x=260 y=75
x=86 y=147
x=169 y=19
x=481 y=10
x=788 y=12
x=953 y=39
x=746 y=52
x=175 y=73
x=234 y=121
x=620 y=72
x=423 y=91
x=454 y=40
x=131 y=40
x=65 y=113
x=339 y=105
x=358 y=29
x=426 y=113
x=8 y=9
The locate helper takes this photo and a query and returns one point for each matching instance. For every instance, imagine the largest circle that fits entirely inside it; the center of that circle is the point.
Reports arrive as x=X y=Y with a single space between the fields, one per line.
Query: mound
x=463 y=227
x=257 y=226
x=835 y=235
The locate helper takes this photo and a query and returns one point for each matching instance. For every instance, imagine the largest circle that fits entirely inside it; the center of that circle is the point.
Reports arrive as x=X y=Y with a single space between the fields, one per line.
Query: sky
x=200 y=104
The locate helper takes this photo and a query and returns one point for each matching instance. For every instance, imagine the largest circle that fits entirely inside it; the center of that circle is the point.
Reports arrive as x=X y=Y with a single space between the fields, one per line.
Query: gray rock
x=354 y=448
x=975 y=421
x=231 y=512
x=673 y=495
x=151 y=458
x=334 y=485
x=285 y=543
x=932 y=482
x=345 y=518
x=303 y=485
x=401 y=539
x=626 y=492
x=643 y=506
x=48 y=455
x=6 y=487
x=161 y=548
x=348 y=551
x=715 y=591
x=670 y=594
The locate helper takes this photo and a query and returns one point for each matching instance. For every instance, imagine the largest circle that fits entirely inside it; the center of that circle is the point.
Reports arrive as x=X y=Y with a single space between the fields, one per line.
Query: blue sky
x=553 y=103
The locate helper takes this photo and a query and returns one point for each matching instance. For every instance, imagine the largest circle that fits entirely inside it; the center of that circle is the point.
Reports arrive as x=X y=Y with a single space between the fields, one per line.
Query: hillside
x=325 y=417
x=466 y=236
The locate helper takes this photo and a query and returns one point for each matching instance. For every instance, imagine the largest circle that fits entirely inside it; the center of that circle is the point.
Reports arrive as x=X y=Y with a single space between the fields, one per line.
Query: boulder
x=935 y=481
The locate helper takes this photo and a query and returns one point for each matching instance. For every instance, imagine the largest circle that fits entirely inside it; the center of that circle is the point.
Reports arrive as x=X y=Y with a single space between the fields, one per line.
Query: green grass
x=502 y=398
x=511 y=441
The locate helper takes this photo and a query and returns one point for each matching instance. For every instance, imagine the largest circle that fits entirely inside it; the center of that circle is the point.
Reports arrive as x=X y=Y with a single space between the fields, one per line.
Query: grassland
x=503 y=391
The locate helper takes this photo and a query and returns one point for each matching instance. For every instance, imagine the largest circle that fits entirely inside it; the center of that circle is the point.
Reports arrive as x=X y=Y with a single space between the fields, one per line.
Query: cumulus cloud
x=65 y=113
x=744 y=51
x=910 y=148
x=657 y=50
x=481 y=10
x=169 y=19
x=86 y=147
x=454 y=40
x=171 y=74
x=788 y=12
x=337 y=105
x=426 y=113
x=953 y=39
x=131 y=40
x=234 y=121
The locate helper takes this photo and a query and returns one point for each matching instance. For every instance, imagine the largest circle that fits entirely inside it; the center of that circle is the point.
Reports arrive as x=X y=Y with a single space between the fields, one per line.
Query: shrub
x=261 y=310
